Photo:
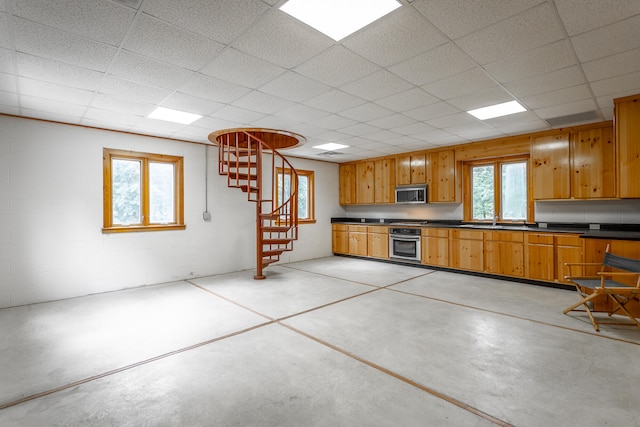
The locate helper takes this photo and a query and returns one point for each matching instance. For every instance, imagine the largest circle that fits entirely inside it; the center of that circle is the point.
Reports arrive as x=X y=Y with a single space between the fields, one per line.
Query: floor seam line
x=131 y=366
x=402 y=378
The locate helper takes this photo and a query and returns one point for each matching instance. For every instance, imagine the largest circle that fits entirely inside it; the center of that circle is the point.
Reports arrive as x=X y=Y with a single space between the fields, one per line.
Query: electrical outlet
x=362 y=220
x=594 y=226
x=206 y=216
x=381 y=220
x=542 y=224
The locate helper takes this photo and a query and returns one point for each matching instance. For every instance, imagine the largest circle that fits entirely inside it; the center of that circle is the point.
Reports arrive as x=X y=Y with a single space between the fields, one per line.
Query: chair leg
x=624 y=309
x=586 y=306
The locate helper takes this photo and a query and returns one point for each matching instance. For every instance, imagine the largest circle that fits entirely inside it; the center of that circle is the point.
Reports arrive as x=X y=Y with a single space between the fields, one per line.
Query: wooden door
x=627 y=119
x=594 y=163
x=435 y=246
x=365 y=182
x=466 y=250
x=550 y=167
x=347 y=176
x=539 y=257
x=384 y=181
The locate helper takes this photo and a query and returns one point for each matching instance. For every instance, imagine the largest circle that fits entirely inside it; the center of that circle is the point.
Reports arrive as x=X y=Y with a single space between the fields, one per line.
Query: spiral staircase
x=250 y=160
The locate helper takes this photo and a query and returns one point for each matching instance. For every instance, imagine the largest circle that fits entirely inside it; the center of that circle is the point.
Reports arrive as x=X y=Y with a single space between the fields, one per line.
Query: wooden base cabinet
x=435 y=246
x=467 y=250
x=358 y=240
x=539 y=256
x=569 y=248
x=378 y=242
x=504 y=253
x=340 y=238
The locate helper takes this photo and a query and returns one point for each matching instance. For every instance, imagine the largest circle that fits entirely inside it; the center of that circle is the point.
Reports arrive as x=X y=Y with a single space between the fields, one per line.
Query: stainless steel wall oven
x=404 y=243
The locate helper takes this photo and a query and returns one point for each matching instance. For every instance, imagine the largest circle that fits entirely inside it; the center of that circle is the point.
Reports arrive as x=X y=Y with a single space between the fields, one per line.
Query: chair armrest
x=583 y=263
x=618 y=273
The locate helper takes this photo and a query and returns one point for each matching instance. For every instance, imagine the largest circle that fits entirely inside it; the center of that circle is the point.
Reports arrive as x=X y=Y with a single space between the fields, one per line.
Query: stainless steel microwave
x=411 y=194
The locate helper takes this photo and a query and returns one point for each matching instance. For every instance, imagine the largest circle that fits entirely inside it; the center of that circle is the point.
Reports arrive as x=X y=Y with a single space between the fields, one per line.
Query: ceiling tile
x=580 y=16
x=611 y=66
x=566 y=109
x=54 y=91
x=2 y=5
x=477 y=130
x=102 y=21
x=106 y=102
x=394 y=38
x=243 y=69
x=628 y=84
x=566 y=77
x=5 y=38
x=152 y=125
x=294 y=87
x=557 y=97
x=6 y=61
x=456 y=18
x=605 y=41
x=443 y=61
x=8 y=99
x=55 y=116
x=51 y=106
x=54 y=44
x=236 y=114
x=149 y=71
x=302 y=113
x=335 y=101
x=116 y=117
x=263 y=102
x=134 y=91
x=531 y=29
x=211 y=124
x=333 y=121
x=191 y=104
x=273 y=122
x=457 y=119
x=337 y=66
x=432 y=111
x=542 y=60
x=282 y=40
x=495 y=95
x=214 y=89
x=8 y=83
x=57 y=72
x=159 y=40
x=464 y=83
x=366 y=112
x=407 y=100
x=359 y=129
x=377 y=86
x=220 y=20
x=384 y=135
x=391 y=121
x=413 y=129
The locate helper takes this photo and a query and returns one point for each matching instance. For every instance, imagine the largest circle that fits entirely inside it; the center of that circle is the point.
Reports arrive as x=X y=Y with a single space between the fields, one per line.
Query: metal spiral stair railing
x=241 y=158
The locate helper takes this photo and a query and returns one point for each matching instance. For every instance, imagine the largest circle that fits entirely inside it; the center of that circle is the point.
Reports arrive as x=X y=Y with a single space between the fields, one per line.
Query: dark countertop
x=606 y=231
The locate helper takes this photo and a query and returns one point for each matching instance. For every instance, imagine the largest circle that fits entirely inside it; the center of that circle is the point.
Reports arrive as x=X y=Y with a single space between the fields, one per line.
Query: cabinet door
x=378 y=245
x=466 y=250
x=418 y=169
x=569 y=248
x=358 y=243
x=340 y=242
x=435 y=251
x=385 y=181
x=504 y=258
x=347 y=175
x=403 y=170
x=442 y=176
x=539 y=257
x=550 y=167
x=594 y=174
x=365 y=192
x=627 y=116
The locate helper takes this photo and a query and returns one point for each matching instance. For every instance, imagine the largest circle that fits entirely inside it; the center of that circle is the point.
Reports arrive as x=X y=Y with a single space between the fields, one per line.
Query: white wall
x=51 y=244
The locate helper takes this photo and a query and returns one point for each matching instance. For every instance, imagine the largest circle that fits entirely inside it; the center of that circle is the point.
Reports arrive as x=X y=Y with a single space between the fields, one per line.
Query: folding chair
x=605 y=283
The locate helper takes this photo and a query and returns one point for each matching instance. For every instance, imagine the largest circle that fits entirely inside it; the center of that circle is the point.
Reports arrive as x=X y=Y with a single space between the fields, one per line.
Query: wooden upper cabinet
x=442 y=176
x=365 y=183
x=593 y=173
x=347 y=176
x=627 y=119
x=550 y=168
x=411 y=169
x=385 y=181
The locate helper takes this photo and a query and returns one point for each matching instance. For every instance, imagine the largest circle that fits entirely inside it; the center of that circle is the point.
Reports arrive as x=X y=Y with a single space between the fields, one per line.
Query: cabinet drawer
x=568 y=240
x=357 y=228
x=505 y=236
x=540 y=239
x=467 y=234
x=378 y=229
x=340 y=227
x=435 y=232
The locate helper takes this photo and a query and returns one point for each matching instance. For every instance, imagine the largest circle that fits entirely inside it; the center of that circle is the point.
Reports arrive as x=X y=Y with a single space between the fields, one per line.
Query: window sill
x=140 y=228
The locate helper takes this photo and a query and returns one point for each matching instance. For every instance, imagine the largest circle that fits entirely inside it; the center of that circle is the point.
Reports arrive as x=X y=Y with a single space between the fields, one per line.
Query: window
x=305 y=192
x=497 y=187
x=142 y=192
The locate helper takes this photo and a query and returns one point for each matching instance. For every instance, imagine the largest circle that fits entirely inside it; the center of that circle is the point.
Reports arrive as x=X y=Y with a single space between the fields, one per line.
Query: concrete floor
x=329 y=342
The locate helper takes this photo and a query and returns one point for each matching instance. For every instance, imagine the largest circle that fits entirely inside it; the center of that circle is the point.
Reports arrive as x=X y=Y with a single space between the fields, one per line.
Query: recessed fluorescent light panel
x=330 y=146
x=338 y=18
x=497 y=110
x=174 y=116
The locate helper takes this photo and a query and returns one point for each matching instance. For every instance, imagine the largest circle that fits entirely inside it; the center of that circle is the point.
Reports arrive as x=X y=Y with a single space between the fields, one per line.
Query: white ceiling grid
x=402 y=83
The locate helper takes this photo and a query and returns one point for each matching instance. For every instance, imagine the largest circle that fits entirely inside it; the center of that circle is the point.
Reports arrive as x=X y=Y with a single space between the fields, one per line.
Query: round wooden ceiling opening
x=276 y=139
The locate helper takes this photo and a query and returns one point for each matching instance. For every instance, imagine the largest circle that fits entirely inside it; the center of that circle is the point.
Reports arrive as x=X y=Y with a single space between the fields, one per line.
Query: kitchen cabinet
x=358 y=240
x=411 y=169
x=568 y=248
x=435 y=246
x=442 y=176
x=466 y=249
x=384 y=180
x=539 y=256
x=347 y=176
x=593 y=164
x=378 y=241
x=340 y=238
x=550 y=168
x=504 y=252
x=365 y=184
x=627 y=122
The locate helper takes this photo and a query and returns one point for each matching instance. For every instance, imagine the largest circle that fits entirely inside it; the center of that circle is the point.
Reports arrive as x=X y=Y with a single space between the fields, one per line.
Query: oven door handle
x=405 y=238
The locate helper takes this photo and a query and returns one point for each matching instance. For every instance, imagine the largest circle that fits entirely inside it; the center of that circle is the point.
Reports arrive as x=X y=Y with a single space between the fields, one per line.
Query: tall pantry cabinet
x=627 y=125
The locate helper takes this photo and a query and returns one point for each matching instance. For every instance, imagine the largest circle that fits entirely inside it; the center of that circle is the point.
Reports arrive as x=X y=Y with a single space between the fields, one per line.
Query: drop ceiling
x=400 y=84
